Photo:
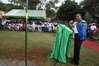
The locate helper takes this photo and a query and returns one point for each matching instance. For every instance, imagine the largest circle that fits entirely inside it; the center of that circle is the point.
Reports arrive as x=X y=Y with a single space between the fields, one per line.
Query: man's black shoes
x=72 y=62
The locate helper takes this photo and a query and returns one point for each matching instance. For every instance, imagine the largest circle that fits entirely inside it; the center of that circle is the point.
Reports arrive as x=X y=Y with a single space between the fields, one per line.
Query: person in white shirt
x=9 y=26
x=75 y=28
x=50 y=26
x=33 y=26
x=20 y=26
x=92 y=29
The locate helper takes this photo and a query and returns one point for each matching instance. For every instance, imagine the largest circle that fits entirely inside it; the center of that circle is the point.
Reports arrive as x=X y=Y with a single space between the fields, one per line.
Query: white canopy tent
x=21 y=13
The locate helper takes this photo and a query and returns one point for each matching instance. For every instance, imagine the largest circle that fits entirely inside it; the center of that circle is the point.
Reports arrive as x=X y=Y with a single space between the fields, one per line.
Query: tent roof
x=21 y=13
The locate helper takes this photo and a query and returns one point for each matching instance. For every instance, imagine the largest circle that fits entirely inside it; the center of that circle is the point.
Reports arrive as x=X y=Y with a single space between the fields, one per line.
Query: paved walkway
x=92 y=45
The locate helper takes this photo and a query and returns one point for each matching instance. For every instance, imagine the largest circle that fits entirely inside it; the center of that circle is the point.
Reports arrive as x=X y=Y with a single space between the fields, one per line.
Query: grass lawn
x=39 y=49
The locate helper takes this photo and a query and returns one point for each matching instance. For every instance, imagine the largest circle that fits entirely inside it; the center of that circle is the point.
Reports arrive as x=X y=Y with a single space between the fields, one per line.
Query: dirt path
x=36 y=57
x=6 y=62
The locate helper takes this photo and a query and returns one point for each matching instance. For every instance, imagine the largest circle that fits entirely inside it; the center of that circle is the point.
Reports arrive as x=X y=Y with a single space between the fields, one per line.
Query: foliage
x=68 y=10
x=32 y=3
x=50 y=13
x=18 y=4
x=91 y=6
x=8 y=7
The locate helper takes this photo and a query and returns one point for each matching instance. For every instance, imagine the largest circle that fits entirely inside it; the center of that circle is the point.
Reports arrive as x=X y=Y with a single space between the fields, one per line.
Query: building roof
x=22 y=13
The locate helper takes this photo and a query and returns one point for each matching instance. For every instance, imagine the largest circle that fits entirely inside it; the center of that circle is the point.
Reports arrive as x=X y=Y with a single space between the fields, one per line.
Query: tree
x=32 y=3
x=91 y=6
x=8 y=7
x=50 y=13
x=68 y=10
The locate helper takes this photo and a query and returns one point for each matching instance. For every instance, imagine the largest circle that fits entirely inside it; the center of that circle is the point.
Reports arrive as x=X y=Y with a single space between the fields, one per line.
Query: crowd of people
x=32 y=25
x=42 y=26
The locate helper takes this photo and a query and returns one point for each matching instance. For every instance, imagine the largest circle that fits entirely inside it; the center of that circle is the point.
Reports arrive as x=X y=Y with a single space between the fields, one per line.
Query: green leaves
x=67 y=11
x=8 y=7
x=91 y=6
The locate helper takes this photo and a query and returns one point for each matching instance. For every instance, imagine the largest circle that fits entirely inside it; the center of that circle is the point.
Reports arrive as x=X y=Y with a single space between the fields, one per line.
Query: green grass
x=39 y=49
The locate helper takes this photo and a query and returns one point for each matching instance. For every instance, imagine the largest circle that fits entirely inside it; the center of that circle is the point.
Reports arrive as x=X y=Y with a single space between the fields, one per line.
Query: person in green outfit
x=62 y=44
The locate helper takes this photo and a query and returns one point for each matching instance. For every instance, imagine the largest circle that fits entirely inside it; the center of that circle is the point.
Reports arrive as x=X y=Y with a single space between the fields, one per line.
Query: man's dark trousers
x=77 y=46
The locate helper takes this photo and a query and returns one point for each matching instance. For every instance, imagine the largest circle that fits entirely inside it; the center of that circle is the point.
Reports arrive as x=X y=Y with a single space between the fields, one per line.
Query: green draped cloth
x=62 y=44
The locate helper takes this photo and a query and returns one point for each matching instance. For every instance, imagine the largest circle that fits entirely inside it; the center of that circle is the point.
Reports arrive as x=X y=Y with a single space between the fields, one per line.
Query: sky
x=6 y=1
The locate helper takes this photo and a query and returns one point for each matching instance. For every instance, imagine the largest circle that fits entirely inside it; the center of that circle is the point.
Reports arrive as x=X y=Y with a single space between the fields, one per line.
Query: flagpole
x=26 y=33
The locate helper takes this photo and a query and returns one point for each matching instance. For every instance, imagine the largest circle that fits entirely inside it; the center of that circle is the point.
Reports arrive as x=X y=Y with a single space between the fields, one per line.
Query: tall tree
x=32 y=3
x=47 y=3
x=91 y=6
x=68 y=10
x=50 y=13
x=8 y=7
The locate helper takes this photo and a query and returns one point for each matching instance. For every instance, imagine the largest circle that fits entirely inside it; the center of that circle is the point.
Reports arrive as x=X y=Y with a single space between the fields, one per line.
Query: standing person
x=0 y=24
x=92 y=29
x=62 y=44
x=20 y=26
x=54 y=28
x=80 y=29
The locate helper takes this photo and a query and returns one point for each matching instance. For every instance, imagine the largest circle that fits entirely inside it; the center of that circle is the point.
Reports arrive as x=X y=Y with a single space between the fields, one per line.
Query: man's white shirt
x=75 y=28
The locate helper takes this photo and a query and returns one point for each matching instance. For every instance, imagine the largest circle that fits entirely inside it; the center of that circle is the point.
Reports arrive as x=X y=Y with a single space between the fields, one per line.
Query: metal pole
x=26 y=33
